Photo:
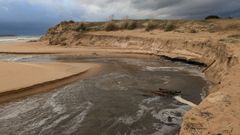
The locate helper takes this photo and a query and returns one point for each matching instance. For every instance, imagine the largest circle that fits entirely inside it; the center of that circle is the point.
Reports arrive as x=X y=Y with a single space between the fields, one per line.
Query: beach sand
x=20 y=79
x=15 y=75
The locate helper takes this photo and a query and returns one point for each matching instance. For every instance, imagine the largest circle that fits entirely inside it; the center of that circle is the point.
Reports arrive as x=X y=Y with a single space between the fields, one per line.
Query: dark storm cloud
x=88 y=10
x=154 y=4
x=167 y=9
x=189 y=8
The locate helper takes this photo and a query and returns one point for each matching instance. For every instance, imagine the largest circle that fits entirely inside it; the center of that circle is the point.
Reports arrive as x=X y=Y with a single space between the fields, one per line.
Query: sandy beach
x=19 y=79
x=28 y=74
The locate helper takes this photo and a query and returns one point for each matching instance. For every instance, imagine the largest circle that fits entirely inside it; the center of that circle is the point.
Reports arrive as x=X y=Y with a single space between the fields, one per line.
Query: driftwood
x=166 y=93
x=204 y=70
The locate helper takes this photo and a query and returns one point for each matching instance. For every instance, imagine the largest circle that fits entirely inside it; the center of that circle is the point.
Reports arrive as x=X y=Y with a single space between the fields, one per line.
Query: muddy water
x=117 y=101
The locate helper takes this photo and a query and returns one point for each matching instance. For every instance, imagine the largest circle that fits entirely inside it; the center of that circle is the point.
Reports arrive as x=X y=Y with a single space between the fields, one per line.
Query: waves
x=18 y=38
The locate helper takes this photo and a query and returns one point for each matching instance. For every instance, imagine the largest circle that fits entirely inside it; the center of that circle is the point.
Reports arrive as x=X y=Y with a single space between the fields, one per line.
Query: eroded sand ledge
x=218 y=113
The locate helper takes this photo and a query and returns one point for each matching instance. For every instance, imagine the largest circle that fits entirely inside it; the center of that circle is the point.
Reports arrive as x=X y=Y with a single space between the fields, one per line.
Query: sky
x=36 y=16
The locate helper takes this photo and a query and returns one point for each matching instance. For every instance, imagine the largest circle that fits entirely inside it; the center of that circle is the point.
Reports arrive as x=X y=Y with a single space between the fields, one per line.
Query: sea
x=11 y=31
x=16 y=38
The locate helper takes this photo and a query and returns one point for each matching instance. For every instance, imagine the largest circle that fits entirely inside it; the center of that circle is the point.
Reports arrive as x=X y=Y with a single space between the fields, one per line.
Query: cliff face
x=215 y=54
x=220 y=58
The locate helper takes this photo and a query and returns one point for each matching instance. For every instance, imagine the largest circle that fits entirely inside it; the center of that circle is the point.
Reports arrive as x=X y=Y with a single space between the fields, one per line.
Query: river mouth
x=116 y=101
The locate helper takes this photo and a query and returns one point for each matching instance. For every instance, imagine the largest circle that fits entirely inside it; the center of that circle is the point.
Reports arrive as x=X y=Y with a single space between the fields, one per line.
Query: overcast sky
x=44 y=13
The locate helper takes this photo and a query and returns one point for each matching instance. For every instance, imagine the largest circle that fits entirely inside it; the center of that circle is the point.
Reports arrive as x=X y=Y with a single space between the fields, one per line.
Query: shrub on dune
x=110 y=26
x=212 y=17
x=151 y=26
x=81 y=27
x=169 y=27
x=132 y=25
x=123 y=25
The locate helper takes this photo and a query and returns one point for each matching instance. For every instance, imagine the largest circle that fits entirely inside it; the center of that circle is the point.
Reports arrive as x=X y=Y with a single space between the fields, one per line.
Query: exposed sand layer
x=16 y=76
x=44 y=48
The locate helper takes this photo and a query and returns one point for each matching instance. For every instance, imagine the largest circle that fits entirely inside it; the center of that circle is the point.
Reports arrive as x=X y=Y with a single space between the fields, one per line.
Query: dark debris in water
x=166 y=92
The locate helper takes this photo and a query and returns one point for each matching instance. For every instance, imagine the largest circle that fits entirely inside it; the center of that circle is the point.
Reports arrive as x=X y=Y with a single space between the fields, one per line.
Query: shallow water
x=117 y=101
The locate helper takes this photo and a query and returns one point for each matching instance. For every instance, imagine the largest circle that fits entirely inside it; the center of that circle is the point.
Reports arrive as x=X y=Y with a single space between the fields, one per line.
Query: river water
x=116 y=101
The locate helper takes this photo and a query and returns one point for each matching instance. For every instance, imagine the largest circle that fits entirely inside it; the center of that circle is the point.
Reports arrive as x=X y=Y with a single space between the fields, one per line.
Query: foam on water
x=150 y=100
x=148 y=68
x=18 y=38
x=191 y=71
x=56 y=107
x=14 y=110
x=78 y=119
x=19 y=58
x=170 y=116
x=142 y=110
x=119 y=81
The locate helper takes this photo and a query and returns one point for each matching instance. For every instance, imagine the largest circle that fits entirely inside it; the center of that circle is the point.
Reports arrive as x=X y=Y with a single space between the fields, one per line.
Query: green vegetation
x=71 y=21
x=181 y=26
x=110 y=26
x=123 y=25
x=193 y=31
x=132 y=25
x=151 y=26
x=169 y=27
x=81 y=27
x=212 y=17
x=235 y=38
x=213 y=28
x=234 y=26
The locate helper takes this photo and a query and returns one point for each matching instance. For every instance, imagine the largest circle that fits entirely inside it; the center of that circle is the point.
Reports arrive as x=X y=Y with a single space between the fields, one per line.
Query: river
x=116 y=101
